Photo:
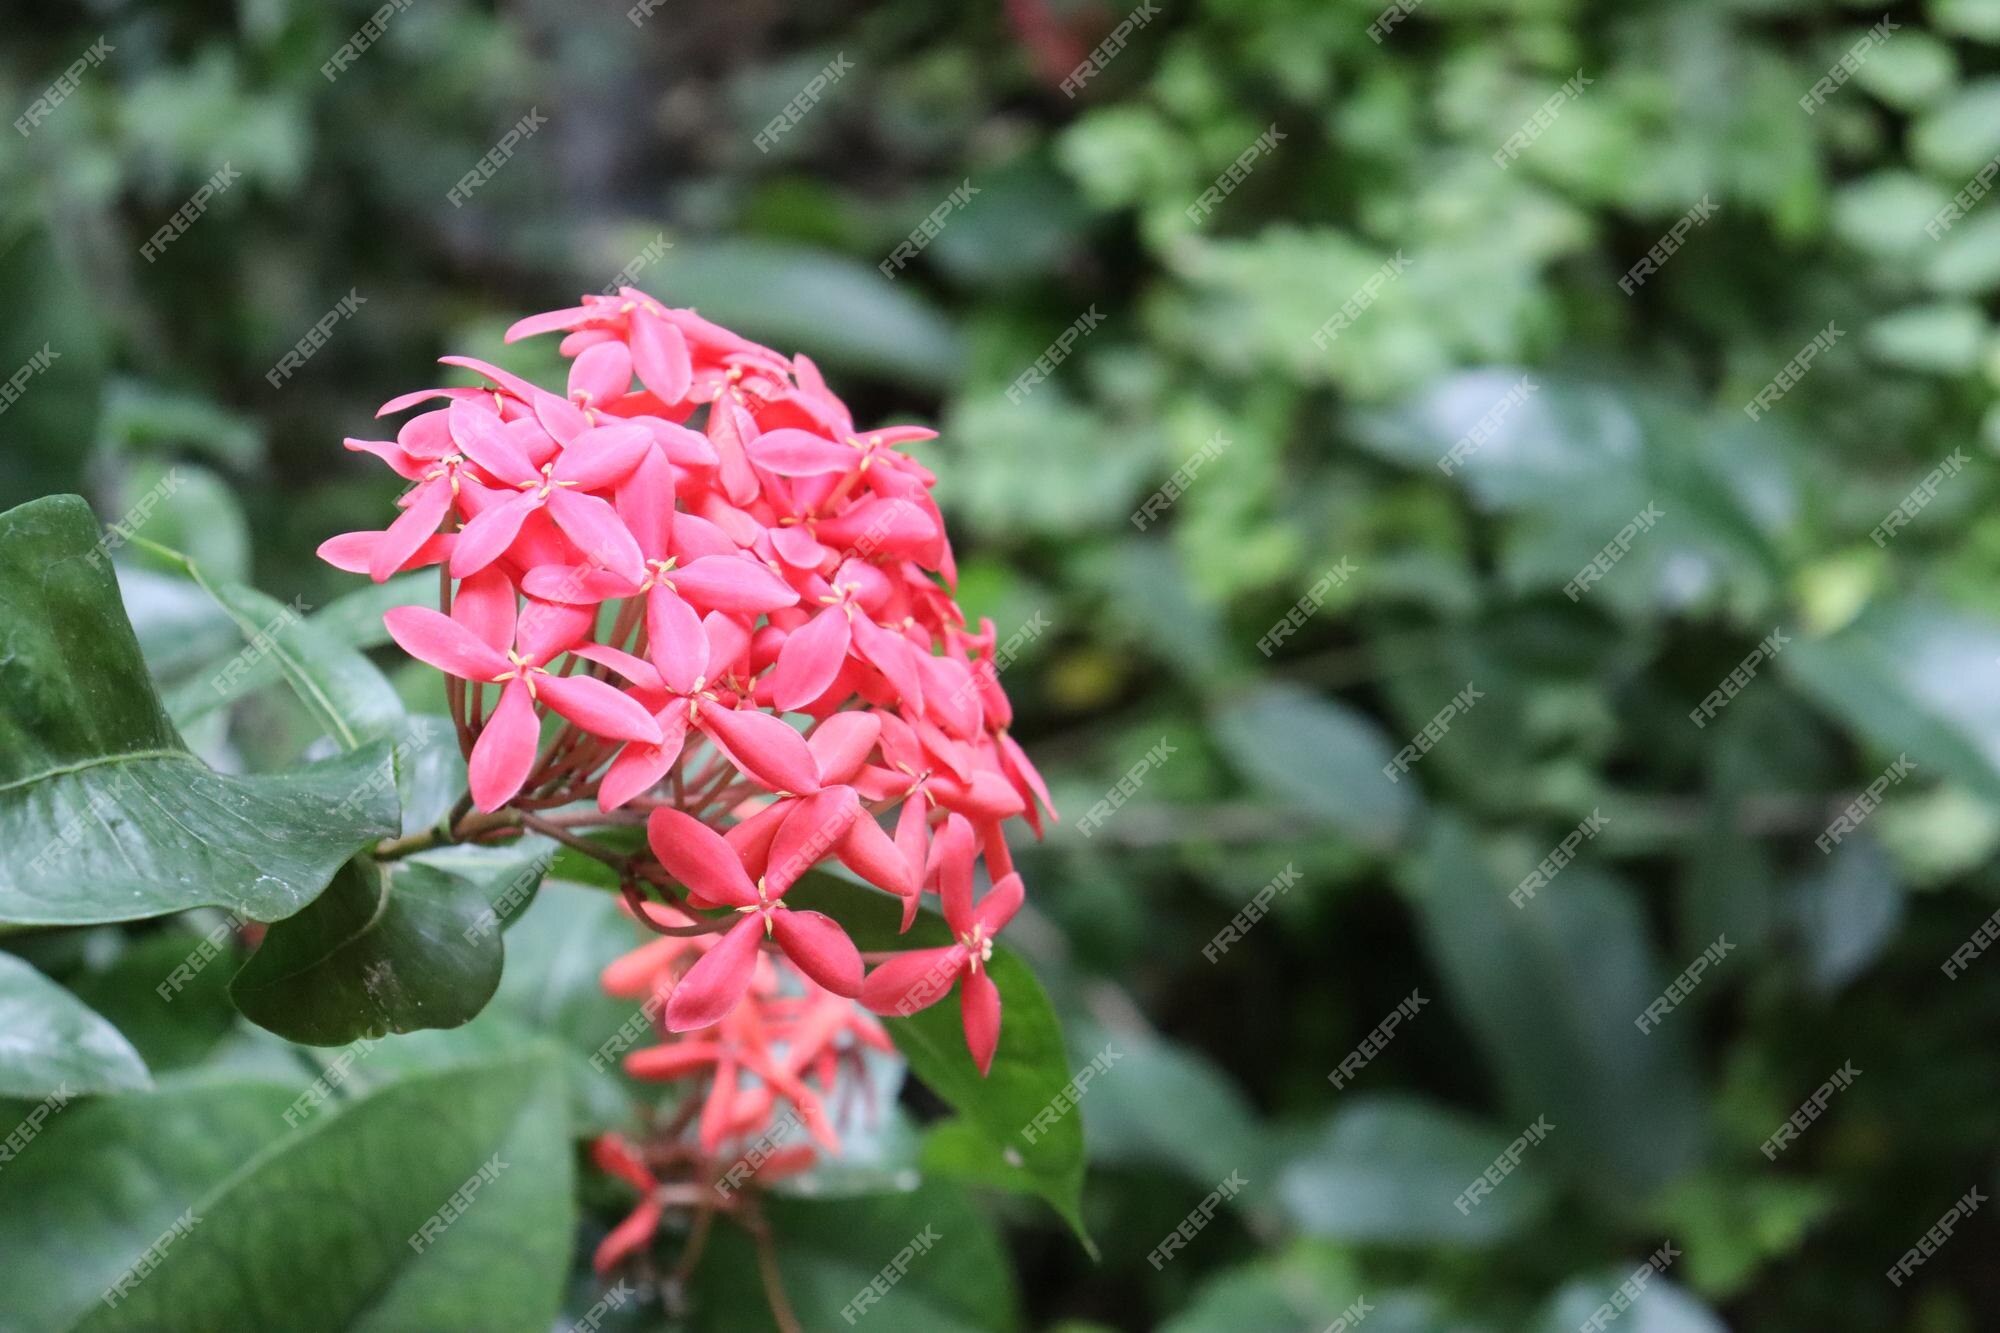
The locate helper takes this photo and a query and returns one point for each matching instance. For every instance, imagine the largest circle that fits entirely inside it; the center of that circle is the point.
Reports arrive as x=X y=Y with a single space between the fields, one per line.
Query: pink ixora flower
x=688 y=592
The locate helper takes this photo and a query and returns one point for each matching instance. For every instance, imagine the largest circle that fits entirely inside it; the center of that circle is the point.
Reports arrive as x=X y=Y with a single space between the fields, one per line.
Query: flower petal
x=819 y=948
x=840 y=745
x=484 y=604
x=639 y=768
x=912 y=981
x=600 y=709
x=593 y=525
x=697 y=856
x=429 y=503
x=675 y=640
x=815 y=827
x=431 y=636
x=732 y=583
x=713 y=986
x=483 y=437
x=979 y=1005
x=505 y=751
x=604 y=456
x=791 y=452
x=811 y=658
x=763 y=747
x=601 y=373
x=487 y=537
x=660 y=355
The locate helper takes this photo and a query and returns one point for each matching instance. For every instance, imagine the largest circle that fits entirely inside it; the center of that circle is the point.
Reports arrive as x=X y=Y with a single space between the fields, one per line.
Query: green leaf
x=1391 y=1169
x=839 y=311
x=342 y=690
x=1306 y=1285
x=354 y=620
x=1904 y=676
x=315 y=1231
x=393 y=947
x=1664 y=1308
x=111 y=817
x=1552 y=990
x=1320 y=755
x=556 y=952
x=1157 y=1104
x=1029 y=1067
x=51 y=423
x=105 y=1178
x=168 y=993
x=1847 y=912
x=1943 y=338
x=956 y=1276
x=51 y=1043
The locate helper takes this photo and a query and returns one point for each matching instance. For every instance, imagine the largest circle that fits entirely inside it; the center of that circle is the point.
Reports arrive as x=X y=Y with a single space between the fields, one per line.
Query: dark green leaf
x=1320 y=755
x=110 y=816
x=1553 y=990
x=392 y=947
x=1029 y=1068
x=1397 y=1170
x=52 y=1043
x=315 y=1232
x=955 y=1275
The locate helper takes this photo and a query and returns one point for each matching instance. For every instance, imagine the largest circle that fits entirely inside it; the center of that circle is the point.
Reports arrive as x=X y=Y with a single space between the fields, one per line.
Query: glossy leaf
x=52 y=1043
x=389 y=947
x=110 y=816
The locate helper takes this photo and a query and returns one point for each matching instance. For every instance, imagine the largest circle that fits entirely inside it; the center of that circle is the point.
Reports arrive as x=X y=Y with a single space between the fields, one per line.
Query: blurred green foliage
x=1333 y=452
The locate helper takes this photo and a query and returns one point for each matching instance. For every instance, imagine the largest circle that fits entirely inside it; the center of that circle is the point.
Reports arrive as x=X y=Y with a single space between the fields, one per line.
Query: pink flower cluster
x=690 y=542
x=796 y=1042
